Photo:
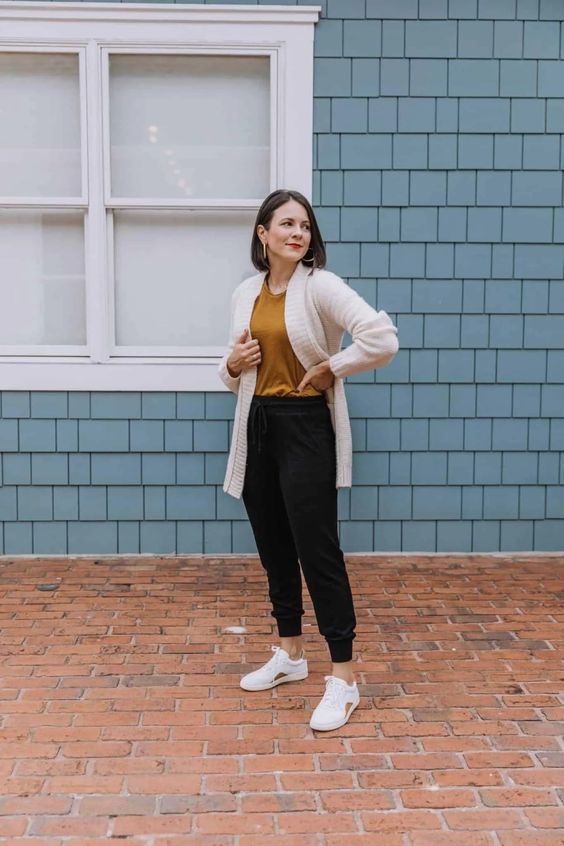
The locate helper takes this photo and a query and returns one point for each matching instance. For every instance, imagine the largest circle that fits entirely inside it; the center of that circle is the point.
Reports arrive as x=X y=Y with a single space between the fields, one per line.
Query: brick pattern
x=122 y=715
x=438 y=184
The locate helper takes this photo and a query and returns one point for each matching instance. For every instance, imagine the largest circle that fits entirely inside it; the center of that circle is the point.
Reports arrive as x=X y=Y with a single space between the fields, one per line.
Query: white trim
x=80 y=201
x=214 y=204
x=276 y=138
x=44 y=202
x=226 y=49
x=95 y=244
x=165 y=12
x=155 y=352
x=17 y=352
x=83 y=123
x=195 y=375
x=285 y=33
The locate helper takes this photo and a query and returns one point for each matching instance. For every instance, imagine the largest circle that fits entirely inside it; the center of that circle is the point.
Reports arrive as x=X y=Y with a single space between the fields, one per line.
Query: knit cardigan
x=319 y=308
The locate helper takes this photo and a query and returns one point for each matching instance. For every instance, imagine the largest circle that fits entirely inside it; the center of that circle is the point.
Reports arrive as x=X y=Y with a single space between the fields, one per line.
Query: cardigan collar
x=296 y=280
x=304 y=345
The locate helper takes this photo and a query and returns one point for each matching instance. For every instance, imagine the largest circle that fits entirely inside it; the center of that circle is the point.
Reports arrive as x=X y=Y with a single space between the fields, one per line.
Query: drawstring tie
x=259 y=424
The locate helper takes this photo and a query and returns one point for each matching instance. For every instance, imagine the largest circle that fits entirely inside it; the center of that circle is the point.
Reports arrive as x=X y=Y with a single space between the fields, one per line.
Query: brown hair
x=315 y=256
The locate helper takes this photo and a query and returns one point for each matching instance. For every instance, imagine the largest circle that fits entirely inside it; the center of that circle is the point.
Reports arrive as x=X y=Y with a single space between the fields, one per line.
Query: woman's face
x=289 y=235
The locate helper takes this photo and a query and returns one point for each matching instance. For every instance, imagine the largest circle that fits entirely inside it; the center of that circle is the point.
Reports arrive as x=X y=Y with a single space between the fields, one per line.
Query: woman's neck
x=279 y=275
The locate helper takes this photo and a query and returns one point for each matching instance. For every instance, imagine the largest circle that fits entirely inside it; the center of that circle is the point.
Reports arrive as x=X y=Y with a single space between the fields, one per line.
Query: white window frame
x=93 y=31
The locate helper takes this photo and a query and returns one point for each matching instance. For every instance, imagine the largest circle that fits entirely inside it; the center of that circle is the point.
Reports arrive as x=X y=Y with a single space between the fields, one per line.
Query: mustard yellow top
x=280 y=372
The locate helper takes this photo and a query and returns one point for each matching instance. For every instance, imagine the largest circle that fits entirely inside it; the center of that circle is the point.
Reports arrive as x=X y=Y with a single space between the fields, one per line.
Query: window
x=136 y=147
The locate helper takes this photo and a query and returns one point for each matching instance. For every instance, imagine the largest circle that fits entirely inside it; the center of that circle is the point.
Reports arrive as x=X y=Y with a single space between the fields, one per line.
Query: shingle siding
x=438 y=184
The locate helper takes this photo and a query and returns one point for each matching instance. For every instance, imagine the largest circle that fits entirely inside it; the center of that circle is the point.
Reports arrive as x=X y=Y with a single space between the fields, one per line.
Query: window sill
x=185 y=375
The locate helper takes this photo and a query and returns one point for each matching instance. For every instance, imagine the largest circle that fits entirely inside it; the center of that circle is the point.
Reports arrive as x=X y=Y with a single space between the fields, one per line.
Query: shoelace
x=275 y=658
x=331 y=696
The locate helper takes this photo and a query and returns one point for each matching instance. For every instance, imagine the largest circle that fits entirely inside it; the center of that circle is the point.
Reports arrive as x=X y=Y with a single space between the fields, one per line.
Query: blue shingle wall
x=438 y=182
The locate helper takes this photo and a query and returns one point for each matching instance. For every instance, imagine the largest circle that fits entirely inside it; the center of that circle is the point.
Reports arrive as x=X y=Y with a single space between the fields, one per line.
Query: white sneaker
x=278 y=670
x=339 y=701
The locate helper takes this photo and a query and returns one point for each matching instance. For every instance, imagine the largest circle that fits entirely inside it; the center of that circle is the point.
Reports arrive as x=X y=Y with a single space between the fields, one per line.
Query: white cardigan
x=319 y=308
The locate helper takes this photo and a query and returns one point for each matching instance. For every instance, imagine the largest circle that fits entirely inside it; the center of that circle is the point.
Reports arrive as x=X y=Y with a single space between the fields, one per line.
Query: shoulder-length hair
x=315 y=256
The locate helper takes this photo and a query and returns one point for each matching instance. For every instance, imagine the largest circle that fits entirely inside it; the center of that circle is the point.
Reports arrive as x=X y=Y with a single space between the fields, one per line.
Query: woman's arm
x=232 y=382
x=374 y=336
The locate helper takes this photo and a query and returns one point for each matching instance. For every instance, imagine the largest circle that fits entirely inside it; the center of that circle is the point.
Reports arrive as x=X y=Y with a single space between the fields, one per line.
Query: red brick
x=240 y=783
x=468 y=778
x=277 y=840
x=164 y=783
x=128 y=766
x=15 y=751
x=315 y=823
x=21 y=786
x=35 y=805
x=282 y=763
x=317 y=781
x=450 y=838
x=107 y=806
x=455 y=744
x=550 y=777
x=392 y=779
x=356 y=800
x=546 y=817
x=235 y=824
x=485 y=819
x=498 y=759
x=437 y=798
x=535 y=744
x=13 y=826
x=414 y=729
x=488 y=727
x=551 y=759
x=274 y=803
x=400 y=821
x=68 y=826
x=353 y=762
x=361 y=840
x=531 y=838
x=516 y=796
x=542 y=727
x=381 y=745
x=430 y=761
x=146 y=825
x=96 y=750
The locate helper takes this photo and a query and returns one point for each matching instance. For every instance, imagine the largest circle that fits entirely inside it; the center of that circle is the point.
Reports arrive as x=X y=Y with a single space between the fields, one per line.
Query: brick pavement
x=122 y=720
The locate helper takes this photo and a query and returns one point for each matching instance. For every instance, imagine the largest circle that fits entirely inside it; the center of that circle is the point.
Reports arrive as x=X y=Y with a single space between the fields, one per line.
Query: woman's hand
x=320 y=377
x=245 y=354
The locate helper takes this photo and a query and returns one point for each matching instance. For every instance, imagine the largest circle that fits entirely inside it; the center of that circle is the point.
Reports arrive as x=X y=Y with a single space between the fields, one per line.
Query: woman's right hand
x=245 y=354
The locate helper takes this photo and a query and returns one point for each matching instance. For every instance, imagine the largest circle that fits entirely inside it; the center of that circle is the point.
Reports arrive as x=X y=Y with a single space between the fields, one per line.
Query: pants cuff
x=289 y=628
x=341 y=650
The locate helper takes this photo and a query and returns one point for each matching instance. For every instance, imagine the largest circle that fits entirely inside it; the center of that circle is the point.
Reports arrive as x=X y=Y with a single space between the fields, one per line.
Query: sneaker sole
x=337 y=724
x=289 y=678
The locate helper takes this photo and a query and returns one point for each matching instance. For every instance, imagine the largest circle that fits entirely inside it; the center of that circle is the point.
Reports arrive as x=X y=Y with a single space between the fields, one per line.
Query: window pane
x=175 y=272
x=42 y=277
x=190 y=126
x=40 y=125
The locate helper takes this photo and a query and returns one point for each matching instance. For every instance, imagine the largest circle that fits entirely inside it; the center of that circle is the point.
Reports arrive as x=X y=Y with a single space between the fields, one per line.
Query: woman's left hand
x=320 y=377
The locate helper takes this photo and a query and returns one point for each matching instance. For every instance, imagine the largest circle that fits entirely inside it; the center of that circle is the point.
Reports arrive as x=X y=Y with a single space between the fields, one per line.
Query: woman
x=291 y=446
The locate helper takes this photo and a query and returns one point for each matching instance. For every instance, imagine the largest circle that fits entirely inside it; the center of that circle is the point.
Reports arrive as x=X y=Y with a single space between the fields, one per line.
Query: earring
x=264 y=251
x=309 y=258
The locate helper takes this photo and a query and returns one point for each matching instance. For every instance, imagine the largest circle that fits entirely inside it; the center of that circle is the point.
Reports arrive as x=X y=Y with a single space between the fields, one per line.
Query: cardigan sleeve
x=374 y=336
x=232 y=382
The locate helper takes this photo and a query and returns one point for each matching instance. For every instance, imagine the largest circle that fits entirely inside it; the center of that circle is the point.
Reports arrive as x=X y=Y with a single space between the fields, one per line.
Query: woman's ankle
x=344 y=671
x=293 y=647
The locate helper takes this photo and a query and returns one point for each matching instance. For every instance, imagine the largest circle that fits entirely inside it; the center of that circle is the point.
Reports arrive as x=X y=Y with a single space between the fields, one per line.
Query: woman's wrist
x=233 y=372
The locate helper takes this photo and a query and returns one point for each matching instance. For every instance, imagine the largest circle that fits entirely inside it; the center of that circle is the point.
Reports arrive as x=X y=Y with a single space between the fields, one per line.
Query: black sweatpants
x=291 y=500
